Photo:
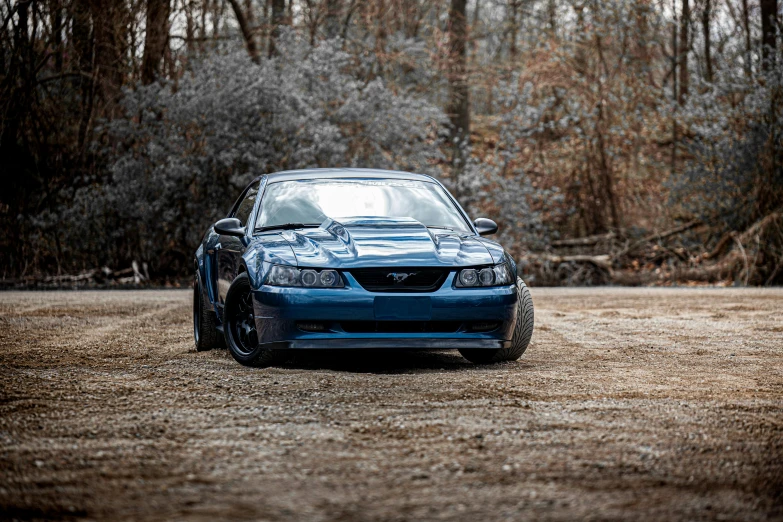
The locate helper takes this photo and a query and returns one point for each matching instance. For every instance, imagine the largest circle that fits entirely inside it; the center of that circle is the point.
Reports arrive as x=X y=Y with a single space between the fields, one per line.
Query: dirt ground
x=644 y=404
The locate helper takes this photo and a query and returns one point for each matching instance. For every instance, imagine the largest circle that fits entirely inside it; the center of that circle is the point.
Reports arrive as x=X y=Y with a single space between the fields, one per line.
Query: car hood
x=383 y=242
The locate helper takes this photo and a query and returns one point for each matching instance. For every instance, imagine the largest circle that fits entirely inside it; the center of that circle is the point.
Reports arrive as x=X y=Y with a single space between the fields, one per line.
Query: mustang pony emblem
x=399 y=277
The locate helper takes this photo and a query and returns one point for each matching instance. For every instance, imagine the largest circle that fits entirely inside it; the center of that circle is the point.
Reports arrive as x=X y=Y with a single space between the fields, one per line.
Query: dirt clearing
x=644 y=404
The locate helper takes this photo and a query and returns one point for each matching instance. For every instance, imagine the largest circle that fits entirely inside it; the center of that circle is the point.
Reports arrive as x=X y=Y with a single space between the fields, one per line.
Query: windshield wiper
x=441 y=226
x=288 y=226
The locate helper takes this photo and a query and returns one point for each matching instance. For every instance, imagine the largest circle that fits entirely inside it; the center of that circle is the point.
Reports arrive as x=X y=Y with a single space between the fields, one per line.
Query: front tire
x=205 y=332
x=239 y=327
x=523 y=332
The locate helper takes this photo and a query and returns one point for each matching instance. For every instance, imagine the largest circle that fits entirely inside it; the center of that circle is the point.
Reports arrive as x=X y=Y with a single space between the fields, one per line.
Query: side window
x=246 y=205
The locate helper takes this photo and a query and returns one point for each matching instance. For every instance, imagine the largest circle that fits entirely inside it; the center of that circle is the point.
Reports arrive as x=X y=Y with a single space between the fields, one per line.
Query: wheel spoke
x=242 y=324
x=241 y=307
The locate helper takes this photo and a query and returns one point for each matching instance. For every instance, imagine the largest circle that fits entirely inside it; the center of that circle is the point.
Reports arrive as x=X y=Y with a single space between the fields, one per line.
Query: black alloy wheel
x=242 y=323
x=240 y=327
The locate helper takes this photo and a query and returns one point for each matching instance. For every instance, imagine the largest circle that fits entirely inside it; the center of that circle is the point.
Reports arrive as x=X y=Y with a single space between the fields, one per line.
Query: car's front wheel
x=523 y=332
x=239 y=327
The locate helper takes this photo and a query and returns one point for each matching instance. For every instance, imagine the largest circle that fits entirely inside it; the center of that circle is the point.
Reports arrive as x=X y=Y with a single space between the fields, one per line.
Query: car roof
x=292 y=175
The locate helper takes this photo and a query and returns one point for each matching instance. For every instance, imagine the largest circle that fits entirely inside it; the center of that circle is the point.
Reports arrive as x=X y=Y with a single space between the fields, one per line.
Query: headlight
x=498 y=275
x=280 y=275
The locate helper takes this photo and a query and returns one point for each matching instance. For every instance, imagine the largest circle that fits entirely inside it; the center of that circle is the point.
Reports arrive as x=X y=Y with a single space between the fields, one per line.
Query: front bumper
x=280 y=313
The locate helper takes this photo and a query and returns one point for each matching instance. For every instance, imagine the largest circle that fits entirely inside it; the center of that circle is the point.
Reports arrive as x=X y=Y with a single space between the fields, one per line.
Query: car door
x=230 y=248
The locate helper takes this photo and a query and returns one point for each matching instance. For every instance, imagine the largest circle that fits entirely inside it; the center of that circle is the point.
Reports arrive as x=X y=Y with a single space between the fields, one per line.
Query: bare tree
x=675 y=59
x=156 y=39
x=685 y=17
x=83 y=46
x=769 y=27
x=705 y=24
x=513 y=29
x=247 y=30
x=332 y=18
x=459 y=107
x=278 y=19
x=313 y=16
x=551 y=13
x=746 y=28
x=110 y=20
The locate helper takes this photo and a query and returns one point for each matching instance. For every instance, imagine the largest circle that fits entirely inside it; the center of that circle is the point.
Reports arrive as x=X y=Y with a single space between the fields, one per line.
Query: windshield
x=312 y=201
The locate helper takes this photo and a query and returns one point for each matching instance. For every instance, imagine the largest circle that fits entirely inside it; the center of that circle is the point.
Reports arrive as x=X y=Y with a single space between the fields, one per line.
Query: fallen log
x=70 y=278
x=682 y=228
x=658 y=236
x=759 y=225
x=733 y=260
x=584 y=241
x=722 y=245
x=136 y=274
x=601 y=261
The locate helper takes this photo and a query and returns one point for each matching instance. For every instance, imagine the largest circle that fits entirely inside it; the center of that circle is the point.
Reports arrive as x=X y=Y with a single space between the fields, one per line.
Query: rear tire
x=523 y=332
x=205 y=332
x=239 y=328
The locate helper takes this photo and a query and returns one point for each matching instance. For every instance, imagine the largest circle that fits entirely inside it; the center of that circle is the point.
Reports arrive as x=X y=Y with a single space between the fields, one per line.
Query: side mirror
x=485 y=227
x=230 y=227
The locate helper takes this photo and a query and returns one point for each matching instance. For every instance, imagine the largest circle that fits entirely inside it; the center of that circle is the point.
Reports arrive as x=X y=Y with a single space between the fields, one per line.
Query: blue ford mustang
x=354 y=258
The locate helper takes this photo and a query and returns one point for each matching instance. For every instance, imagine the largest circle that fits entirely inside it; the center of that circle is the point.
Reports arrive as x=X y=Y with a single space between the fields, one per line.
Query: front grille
x=400 y=326
x=400 y=279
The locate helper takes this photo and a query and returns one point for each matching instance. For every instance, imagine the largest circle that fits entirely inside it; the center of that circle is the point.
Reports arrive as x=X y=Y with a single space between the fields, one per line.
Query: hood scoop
x=366 y=242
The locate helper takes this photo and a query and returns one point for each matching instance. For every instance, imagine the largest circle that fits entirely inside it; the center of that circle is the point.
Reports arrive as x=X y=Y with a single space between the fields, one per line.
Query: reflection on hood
x=381 y=242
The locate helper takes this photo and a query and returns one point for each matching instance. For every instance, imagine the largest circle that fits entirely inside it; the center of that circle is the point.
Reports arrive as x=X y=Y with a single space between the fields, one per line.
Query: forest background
x=614 y=141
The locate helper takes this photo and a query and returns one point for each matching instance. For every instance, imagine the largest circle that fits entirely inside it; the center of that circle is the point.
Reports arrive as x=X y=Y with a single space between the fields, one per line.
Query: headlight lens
x=280 y=275
x=328 y=278
x=468 y=277
x=283 y=276
x=487 y=277
x=498 y=275
x=309 y=277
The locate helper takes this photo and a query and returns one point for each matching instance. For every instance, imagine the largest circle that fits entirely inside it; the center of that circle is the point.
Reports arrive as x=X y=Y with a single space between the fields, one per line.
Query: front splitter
x=415 y=344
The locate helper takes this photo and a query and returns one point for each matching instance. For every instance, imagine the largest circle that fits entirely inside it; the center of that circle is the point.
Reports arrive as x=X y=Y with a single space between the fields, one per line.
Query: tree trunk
x=57 y=29
x=346 y=23
x=705 y=23
x=513 y=30
x=83 y=46
x=580 y=58
x=412 y=17
x=332 y=19
x=604 y=165
x=251 y=21
x=458 y=108
x=380 y=34
x=247 y=31
x=474 y=27
x=278 y=19
x=684 y=41
x=110 y=20
x=156 y=39
x=217 y=15
x=769 y=23
x=190 y=29
x=746 y=27
x=551 y=10
x=675 y=57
